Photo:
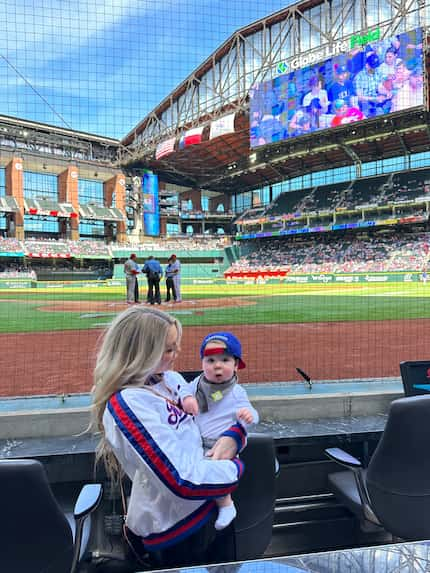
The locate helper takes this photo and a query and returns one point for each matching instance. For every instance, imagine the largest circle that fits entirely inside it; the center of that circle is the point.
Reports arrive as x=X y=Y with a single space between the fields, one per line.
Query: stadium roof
x=220 y=86
x=226 y=164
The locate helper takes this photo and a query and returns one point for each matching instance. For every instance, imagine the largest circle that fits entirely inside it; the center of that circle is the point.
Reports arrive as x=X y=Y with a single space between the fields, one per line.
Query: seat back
x=34 y=533
x=415 y=377
x=398 y=474
x=189 y=375
x=255 y=498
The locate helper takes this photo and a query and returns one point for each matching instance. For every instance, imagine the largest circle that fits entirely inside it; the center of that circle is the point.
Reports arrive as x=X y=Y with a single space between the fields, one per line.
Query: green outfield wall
x=194 y=274
x=335 y=278
x=188 y=270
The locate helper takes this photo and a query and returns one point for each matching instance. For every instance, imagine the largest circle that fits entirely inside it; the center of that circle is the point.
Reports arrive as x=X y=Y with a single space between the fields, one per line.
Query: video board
x=372 y=79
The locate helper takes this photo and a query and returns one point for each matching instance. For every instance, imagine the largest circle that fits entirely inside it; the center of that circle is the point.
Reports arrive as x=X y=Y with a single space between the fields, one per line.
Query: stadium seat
x=250 y=533
x=415 y=377
x=35 y=533
x=394 y=491
x=255 y=498
x=189 y=375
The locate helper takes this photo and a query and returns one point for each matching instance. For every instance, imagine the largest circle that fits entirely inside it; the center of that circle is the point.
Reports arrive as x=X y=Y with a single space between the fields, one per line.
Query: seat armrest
x=88 y=499
x=353 y=464
x=277 y=467
x=343 y=458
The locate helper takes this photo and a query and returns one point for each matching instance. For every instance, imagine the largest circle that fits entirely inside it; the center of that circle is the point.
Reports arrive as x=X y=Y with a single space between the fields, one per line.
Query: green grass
x=265 y=304
x=18 y=317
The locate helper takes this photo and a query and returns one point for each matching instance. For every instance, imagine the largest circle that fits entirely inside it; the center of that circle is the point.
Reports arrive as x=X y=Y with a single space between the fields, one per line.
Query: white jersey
x=221 y=414
x=129 y=266
x=160 y=449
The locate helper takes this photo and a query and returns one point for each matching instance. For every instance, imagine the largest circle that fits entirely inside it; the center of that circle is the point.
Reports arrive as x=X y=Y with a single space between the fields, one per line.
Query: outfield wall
x=188 y=270
x=194 y=274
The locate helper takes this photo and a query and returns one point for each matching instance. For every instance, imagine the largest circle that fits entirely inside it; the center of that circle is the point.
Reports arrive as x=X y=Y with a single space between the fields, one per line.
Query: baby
x=217 y=400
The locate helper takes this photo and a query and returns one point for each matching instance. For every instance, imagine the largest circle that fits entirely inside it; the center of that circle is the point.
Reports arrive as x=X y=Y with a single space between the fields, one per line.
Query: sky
x=101 y=67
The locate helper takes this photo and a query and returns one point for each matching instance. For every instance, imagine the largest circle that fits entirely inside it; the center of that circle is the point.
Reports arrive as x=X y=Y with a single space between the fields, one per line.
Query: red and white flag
x=191 y=137
x=222 y=125
x=165 y=148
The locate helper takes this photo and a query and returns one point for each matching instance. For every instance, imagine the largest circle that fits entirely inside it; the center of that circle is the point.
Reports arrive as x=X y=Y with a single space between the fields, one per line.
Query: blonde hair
x=130 y=351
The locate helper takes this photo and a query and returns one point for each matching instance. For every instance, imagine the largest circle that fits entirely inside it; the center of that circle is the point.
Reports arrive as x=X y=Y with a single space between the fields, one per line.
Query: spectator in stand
x=300 y=123
x=342 y=88
x=388 y=66
x=154 y=272
x=368 y=84
x=345 y=114
x=410 y=90
x=400 y=252
x=131 y=270
x=145 y=434
x=316 y=101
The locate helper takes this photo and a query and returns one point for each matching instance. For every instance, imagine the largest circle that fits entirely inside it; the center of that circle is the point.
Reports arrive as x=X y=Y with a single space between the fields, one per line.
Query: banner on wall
x=151 y=211
x=165 y=148
x=191 y=137
x=222 y=126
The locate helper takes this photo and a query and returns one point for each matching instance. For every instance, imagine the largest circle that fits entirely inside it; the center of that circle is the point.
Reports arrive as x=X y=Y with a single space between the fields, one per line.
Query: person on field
x=170 y=273
x=175 y=269
x=131 y=270
x=154 y=272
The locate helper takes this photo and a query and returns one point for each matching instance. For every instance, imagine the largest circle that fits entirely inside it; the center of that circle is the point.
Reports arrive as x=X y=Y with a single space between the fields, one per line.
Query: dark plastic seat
x=35 y=534
x=394 y=491
x=189 y=375
x=255 y=498
x=415 y=377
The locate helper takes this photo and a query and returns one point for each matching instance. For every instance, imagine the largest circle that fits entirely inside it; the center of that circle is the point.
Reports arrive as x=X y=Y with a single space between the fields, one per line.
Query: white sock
x=225 y=516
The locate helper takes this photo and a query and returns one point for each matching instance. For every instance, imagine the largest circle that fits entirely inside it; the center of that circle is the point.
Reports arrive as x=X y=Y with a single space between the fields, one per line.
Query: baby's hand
x=244 y=415
x=190 y=405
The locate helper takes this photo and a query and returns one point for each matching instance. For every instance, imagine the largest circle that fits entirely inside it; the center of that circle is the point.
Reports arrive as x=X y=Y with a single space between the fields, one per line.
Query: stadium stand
x=327 y=197
x=64 y=248
x=177 y=244
x=10 y=245
x=364 y=191
x=287 y=202
x=47 y=248
x=334 y=254
x=409 y=186
x=252 y=213
x=17 y=272
x=370 y=197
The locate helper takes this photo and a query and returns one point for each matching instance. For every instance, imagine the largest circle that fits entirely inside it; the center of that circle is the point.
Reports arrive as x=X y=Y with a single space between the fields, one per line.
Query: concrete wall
x=73 y=421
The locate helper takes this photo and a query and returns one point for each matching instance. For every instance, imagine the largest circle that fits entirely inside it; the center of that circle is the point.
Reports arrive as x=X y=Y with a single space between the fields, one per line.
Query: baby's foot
x=225 y=516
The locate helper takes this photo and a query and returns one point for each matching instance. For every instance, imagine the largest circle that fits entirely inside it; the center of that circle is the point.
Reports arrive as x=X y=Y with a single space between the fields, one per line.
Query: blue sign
x=151 y=209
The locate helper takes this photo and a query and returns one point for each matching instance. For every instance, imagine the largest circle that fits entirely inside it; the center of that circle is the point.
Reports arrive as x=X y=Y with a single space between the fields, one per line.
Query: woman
x=170 y=273
x=146 y=434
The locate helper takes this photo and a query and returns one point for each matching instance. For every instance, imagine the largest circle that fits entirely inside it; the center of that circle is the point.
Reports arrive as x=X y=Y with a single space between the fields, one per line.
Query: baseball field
x=49 y=336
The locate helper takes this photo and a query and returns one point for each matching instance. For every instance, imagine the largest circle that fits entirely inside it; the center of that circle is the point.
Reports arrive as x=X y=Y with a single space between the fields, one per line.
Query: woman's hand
x=225 y=448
